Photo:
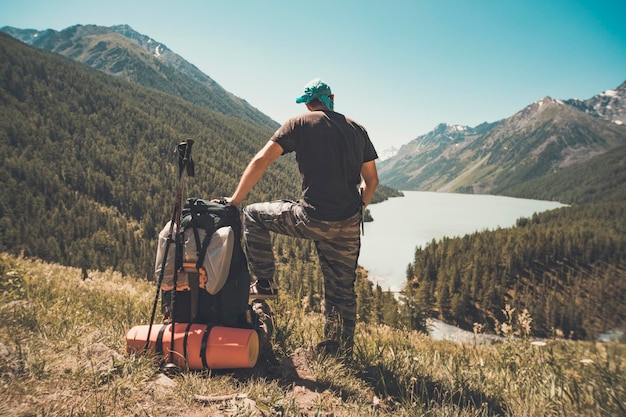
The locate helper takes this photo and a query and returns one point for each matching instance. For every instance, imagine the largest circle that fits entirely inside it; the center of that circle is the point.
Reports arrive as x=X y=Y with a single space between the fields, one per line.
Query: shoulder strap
x=209 y=227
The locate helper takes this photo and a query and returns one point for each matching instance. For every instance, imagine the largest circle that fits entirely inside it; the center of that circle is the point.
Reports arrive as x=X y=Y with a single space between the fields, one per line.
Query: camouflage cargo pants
x=337 y=243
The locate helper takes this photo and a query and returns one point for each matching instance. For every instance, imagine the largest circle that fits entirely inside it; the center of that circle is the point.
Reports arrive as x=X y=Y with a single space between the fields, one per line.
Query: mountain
x=125 y=53
x=387 y=153
x=609 y=105
x=412 y=166
x=492 y=157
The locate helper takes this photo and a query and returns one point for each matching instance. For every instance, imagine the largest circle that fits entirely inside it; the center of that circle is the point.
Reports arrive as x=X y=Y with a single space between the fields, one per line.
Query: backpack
x=208 y=263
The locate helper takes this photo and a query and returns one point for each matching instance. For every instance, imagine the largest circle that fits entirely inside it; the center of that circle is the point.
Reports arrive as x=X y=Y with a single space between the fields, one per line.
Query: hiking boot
x=263 y=290
x=335 y=349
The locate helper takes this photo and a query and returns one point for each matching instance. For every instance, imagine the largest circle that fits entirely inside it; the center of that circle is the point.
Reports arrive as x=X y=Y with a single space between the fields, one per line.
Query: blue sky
x=397 y=67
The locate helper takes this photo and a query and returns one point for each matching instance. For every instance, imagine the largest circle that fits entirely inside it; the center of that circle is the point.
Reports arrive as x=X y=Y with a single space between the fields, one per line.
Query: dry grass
x=62 y=353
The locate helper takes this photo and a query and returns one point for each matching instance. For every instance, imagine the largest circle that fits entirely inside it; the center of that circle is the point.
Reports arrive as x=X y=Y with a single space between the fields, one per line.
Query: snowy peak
x=547 y=100
x=536 y=109
x=445 y=134
x=541 y=106
x=442 y=133
x=609 y=105
x=387 y=153
x=156 y=48
x=450 y=130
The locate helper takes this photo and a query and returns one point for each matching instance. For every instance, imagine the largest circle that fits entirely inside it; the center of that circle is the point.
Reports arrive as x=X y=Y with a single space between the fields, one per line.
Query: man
x=336 y=161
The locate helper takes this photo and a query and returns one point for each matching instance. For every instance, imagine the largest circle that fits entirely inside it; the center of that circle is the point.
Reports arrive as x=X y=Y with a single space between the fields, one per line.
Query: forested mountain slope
x=602 y=178
x=567 y=267
x=88 y=162
x=132 y=56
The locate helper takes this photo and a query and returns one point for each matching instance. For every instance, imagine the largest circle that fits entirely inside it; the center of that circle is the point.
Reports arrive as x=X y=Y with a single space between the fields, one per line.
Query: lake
x=403 y=223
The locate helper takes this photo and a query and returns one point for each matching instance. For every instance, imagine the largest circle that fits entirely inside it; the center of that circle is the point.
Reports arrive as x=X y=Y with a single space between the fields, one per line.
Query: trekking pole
x=185 y=168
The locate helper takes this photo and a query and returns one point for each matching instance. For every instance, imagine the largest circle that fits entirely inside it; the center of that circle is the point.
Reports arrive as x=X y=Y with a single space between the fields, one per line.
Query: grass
x=62 y=353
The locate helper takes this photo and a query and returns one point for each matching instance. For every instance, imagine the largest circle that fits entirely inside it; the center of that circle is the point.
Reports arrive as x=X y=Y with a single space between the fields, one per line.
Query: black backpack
x=228 y=307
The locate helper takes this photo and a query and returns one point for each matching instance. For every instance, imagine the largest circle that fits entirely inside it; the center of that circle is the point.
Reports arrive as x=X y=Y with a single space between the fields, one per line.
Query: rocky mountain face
x=125 y=53
x=413 y=166
x=490 y=158
x=609 y=105
x=387 y=153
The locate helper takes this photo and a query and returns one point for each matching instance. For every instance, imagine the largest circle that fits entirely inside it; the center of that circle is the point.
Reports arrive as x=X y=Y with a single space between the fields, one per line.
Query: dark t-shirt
x=330 y=150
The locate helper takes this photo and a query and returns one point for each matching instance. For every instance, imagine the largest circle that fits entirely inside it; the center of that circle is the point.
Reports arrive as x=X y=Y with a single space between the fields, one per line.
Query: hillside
x=566 y=267
x=122 y=52
x=72 y=361
x=541 y=139
x=602 y=178
x=419 y=164
x=89 y=162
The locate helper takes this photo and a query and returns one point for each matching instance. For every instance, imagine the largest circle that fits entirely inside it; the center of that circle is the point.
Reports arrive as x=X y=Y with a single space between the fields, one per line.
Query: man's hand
x=370 y=181
x=224 y=200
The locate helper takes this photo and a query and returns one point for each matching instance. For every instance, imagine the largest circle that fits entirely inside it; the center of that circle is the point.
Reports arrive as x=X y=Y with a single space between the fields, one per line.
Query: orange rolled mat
x=198 y=346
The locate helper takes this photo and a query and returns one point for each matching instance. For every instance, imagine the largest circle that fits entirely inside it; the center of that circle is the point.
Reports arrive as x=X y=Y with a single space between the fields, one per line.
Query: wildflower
x=524 y=320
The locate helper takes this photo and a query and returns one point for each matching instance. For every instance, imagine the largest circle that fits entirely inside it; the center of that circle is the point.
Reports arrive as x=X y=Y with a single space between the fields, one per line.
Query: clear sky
x=397 y=67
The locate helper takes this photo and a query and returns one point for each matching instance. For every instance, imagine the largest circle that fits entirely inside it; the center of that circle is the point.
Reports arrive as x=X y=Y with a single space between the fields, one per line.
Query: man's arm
x=369 y=174
x=255 y=170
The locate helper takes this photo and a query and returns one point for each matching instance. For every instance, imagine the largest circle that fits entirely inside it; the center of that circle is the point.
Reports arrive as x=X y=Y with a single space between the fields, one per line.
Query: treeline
x=565 y=266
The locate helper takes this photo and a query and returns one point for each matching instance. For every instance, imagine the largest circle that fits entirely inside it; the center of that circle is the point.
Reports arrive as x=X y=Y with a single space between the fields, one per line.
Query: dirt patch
x=305 y=387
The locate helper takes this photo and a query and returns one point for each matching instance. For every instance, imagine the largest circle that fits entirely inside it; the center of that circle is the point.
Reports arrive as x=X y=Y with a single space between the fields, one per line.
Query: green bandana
x=317 y=89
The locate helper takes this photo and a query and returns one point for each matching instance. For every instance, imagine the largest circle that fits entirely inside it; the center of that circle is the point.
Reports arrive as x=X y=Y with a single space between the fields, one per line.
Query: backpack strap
x=193 y=279
x=185 y=343
x=193 y=208
x=203 y=248
x=203 y=345
x=158 y=348
x=196 y=211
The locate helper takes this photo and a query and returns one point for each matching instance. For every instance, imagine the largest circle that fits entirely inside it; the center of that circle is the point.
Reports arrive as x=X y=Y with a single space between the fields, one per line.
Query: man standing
x=336 y=160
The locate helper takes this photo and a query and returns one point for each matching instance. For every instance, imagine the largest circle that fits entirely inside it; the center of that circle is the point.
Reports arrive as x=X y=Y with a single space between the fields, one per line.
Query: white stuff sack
x=216 y=261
